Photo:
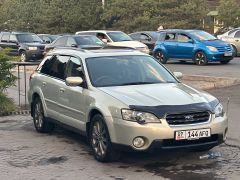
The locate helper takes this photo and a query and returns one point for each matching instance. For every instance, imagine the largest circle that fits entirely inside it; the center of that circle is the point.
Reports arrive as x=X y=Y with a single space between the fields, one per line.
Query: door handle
x=236 y=40
x=62 y=90
x=44 y=83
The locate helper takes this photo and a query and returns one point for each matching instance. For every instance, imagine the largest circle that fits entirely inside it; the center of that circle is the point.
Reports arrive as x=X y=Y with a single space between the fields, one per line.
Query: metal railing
x=23 y=64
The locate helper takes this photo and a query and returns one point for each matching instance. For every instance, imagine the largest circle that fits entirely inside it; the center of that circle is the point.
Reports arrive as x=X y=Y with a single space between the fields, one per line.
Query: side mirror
x=74 y=81
x=178 y=75
x=190 y=41
x=47 y=42
x=105 y=40
x=149 y=39
x=74 y=45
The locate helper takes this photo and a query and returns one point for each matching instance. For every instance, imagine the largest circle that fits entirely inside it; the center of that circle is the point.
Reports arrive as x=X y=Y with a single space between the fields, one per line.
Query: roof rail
x=70 y=48
x=96 y=48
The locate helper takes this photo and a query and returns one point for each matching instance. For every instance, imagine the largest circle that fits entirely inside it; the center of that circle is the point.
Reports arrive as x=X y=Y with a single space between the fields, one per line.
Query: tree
x=229 y=13
x=149 y=14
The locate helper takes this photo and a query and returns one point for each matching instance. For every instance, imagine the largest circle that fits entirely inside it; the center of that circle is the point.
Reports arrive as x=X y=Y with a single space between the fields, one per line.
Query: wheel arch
x=91 y=114
x=34 y=95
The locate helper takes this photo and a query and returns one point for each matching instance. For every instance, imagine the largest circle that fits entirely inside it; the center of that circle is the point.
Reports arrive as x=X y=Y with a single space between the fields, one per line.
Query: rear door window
x=55 y=66
x=13 y=38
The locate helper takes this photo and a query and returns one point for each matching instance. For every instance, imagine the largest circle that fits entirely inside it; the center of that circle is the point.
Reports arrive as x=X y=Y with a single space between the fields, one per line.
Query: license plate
x=192 y=134
x=228 y=54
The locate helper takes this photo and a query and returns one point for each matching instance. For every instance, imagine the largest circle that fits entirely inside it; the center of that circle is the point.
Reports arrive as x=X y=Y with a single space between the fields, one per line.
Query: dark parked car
x=147 y=37
x=48 y=38
x=78 y=41
x=28 y=45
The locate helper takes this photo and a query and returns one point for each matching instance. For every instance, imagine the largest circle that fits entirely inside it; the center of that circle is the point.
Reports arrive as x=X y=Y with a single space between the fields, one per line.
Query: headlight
x=213 y=49
x=219 y=112
x=138 y=116
x=32 y=48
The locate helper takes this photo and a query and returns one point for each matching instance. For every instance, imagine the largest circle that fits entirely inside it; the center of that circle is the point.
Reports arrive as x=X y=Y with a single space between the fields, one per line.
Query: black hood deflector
x=161 y=110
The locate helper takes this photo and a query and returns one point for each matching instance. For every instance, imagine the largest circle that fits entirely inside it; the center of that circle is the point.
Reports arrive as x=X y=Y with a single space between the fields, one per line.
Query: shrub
x=7 y=79
x=6 y=105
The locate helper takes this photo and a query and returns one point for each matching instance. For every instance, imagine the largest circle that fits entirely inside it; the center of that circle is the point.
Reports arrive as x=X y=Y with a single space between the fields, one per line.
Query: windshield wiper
x=137 y=83
x=212 y=39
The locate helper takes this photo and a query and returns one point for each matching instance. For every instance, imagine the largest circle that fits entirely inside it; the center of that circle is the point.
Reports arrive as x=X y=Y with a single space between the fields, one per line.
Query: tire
x=234 y=51
x=100 y=141
x=160 y=57
x=200 y=58
x=23 y=56
x=40 y=121
x=225 y=62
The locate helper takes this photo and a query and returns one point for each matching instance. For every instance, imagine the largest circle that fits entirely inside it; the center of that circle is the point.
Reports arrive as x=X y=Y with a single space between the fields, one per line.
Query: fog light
x=138 y=142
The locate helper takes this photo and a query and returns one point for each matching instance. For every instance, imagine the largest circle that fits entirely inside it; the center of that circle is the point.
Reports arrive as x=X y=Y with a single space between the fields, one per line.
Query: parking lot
x=25 y=154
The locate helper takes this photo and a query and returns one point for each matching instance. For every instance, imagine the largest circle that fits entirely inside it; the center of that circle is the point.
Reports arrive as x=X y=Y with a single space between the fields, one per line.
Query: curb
x=20 y=112
x=209 y=82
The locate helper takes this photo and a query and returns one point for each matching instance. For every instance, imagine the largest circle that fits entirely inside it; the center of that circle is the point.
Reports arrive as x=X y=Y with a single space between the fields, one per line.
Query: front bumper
x=218 y=57
x=35 y=54
x=158 y=135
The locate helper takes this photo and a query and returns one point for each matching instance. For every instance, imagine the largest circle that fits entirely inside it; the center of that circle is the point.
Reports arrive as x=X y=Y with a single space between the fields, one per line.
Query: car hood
x=132 y=44
x=35 y=44
x=215 y=43
x=158 y=94
x=91 y=46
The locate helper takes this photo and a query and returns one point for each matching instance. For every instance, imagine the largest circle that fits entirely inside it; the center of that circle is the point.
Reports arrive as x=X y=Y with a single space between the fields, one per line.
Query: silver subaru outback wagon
x=123 y=99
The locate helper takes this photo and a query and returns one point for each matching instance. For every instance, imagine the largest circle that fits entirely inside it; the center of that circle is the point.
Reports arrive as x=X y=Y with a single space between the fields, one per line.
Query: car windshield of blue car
x=119 y=36
x=88 y=40
x=28 y=38
x=203 y=36
x=126 y=70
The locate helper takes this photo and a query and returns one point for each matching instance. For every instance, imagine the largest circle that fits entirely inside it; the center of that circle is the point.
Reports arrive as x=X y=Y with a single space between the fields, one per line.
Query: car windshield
x=154 y=35
x=88 y=40
x=28 y=38
x=53 y=37
x=126 y=70
x=119 y=36
x=203 y=36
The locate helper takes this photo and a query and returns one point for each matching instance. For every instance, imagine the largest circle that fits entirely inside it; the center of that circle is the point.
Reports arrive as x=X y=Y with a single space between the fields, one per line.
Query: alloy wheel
x=38 y=115
x=160 y=57
x=200 y=59
x=99 y=139
x=23 y=57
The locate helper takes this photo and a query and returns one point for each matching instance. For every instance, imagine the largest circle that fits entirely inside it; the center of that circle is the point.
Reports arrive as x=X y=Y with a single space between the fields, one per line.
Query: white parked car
x=221 y=36
x=117 y=38
x=123 y=99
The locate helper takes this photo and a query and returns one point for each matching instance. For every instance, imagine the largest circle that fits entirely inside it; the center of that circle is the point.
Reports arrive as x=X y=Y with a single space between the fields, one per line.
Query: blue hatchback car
x=194 y=45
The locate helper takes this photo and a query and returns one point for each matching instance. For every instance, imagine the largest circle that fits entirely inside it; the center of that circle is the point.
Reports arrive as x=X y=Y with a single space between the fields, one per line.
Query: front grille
x=187 y=118
x=41 y=47
x=224 y=48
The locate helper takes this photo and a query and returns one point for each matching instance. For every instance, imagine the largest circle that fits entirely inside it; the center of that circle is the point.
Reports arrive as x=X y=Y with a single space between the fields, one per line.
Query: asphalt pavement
x=26 y=154
x=231 y=70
